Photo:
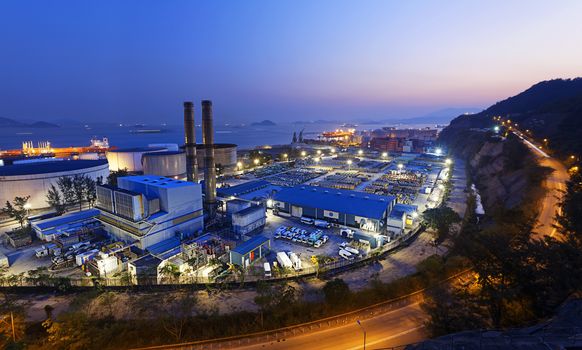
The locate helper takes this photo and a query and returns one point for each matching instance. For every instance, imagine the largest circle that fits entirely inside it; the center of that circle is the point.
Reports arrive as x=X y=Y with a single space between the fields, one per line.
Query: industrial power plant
x=205 y=208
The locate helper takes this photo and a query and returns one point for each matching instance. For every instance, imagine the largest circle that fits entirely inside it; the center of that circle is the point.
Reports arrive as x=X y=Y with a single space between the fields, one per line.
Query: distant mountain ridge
x=11 y=123
x=551 y=109
x=264 y=123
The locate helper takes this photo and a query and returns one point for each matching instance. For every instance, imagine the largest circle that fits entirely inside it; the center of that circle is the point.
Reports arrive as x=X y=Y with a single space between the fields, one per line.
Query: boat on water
x=146 y=131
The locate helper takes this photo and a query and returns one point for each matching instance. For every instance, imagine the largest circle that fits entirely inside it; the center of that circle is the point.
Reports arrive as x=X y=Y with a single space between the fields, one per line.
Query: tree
x=79 y=190
x=337 y=292
x=170 y=273
x=17 y=209
x=440 y=219
x=114 y=175
x=65 y=185
x=175 y=313
x=89 y=190
x=55 y=200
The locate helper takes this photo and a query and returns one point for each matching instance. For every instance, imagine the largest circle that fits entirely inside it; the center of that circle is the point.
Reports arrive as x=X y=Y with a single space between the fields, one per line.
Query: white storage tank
x=168 y=163
x=129 y=158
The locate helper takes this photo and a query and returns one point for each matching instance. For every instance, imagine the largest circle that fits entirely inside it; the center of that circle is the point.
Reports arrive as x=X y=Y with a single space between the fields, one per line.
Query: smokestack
x=209 y=166
x=190 y=142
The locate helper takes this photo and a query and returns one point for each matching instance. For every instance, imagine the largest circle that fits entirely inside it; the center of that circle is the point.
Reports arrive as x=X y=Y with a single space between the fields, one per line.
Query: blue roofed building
x=345 y=207
x=66 y=225
x=242 y=189
x=249 y=251
x=150 y=209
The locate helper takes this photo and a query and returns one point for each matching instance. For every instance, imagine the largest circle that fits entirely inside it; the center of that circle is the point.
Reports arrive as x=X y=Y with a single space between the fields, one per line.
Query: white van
x=307 y=221
x=267 y=268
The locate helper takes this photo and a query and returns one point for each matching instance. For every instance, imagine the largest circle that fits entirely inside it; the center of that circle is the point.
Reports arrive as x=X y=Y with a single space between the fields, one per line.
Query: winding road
x=555 y=185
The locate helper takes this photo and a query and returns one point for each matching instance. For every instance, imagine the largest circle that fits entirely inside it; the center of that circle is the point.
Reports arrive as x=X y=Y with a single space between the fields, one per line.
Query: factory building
x=65 y=225
x=34 y=179
x=167 y=163
x=150 y=209
x=130 y=158
x=224 y=157
x=249 y=220
x=344 y=207
x=242 y=189
x=249 y=251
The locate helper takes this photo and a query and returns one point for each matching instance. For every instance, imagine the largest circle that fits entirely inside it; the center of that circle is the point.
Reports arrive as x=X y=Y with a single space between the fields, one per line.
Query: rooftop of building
x=66 y=219
x=216 y=145
x=163 y=153
x=243 y=188
x=164 y=246
x=250 y=245
x=49 y=167
x=342 y=201
x=147 y=261
x=250 y=210
x=158 y=181
x=137 y=149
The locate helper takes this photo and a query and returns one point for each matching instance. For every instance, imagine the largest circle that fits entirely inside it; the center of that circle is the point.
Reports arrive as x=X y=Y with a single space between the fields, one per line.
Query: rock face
x=498 y=183
x=561 y=332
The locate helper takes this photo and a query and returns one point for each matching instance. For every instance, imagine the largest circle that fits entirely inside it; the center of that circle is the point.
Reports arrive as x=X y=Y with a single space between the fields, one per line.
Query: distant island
x=264 y=123
x=11 y=123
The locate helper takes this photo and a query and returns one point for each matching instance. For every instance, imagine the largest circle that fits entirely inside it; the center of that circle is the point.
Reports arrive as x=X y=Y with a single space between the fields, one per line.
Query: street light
x=349 y=163
x=360 y=152
x=27 y=206
x=256 y=161
x=448 y=161
x=438 y=151
x=303 y=153
x=384 y=155
x=363 y=330
x=318 y=151
x=333 y=150
x=400 y=166
x=239 y=165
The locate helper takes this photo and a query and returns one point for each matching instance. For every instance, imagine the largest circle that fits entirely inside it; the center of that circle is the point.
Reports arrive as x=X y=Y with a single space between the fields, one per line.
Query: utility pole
x=12 y=322
x=363 y=330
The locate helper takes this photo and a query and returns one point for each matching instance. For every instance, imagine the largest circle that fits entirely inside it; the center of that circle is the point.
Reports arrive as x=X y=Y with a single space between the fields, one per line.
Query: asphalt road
x=555 y=186
x=398 y=327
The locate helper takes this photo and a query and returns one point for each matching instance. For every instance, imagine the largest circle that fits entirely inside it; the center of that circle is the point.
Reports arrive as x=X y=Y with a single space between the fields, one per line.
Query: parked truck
x=46 y=250
x=267 y=268
x=322 y=224
x=295 y=261
x=284 y=260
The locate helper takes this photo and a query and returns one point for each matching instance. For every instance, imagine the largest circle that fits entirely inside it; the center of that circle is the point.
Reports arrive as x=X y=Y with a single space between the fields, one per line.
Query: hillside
x=11 y=123
x=550 y=109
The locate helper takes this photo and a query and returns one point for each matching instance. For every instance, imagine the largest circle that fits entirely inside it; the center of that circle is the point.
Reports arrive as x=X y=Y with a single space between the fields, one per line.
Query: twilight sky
x=136 y=61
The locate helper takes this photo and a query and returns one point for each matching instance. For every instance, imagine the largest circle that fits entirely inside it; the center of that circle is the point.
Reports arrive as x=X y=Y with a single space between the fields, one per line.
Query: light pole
x=363 y=330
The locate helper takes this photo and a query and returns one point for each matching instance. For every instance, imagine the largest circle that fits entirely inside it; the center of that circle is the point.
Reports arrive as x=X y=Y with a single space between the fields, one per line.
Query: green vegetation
x=17 y=209
x=71 y=191
x=114 y=175
x=440 y=220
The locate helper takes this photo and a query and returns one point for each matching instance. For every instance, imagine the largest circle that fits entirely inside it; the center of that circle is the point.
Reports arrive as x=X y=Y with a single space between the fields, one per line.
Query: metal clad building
x=249 y=220
x=362 y=210
x=249 y=251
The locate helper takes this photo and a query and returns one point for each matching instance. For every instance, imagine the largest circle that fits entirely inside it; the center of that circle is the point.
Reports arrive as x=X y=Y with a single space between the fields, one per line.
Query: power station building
x=35 y=178
x=150 y=209
x=350 y=208
x=167 y=163
x=130 y=158
x=224 y=157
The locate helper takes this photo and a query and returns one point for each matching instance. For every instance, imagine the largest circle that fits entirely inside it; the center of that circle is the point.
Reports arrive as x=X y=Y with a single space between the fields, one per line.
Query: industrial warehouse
x=349 y=208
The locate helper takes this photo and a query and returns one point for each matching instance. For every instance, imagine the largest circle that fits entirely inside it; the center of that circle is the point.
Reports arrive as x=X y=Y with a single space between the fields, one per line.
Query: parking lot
x=304 y=251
